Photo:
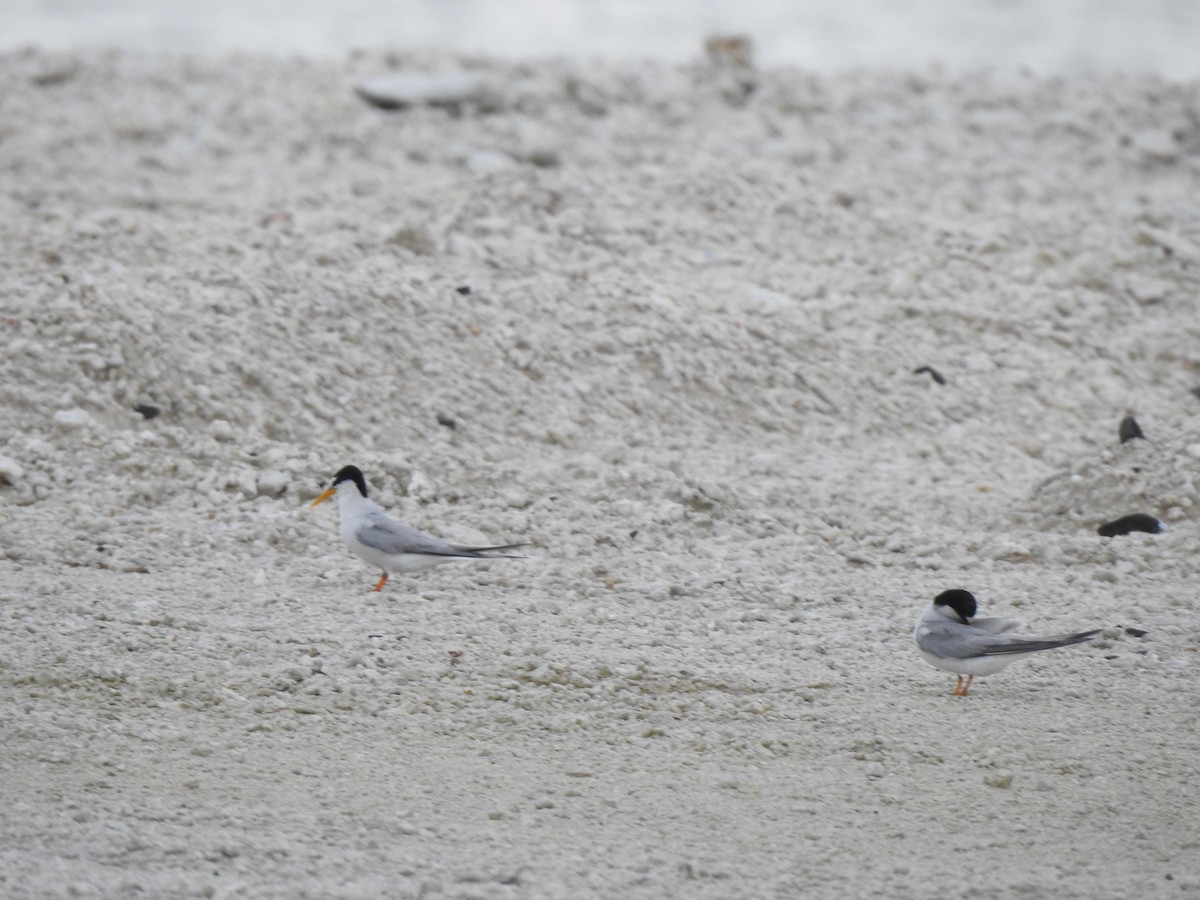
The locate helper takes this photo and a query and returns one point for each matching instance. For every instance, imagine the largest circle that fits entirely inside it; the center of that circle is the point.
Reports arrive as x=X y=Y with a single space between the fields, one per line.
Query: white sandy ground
x=684 y=373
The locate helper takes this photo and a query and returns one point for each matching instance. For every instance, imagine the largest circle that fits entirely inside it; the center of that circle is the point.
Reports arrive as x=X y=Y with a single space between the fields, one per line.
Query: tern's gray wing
x=996 y=626
x=1020 y=644
x=388 y=536
x=953 y=640
x=381 y=533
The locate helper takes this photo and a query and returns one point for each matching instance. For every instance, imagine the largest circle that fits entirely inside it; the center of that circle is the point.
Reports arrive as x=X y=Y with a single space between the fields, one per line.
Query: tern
x=384 y=542
x=949 y=637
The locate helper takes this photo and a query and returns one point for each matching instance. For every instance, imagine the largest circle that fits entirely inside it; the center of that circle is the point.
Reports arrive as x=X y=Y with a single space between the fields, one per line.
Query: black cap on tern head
x=350 y=473
x=962 y=602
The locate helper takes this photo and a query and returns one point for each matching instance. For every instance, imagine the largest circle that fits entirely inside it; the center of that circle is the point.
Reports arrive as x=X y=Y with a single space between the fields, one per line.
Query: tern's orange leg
x=960 y=689
x=382 y=581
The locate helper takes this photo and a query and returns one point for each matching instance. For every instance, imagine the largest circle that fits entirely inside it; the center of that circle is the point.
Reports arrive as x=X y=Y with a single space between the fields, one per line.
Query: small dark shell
x=1134 y=522
x=933 y=373
x=147 y=411
x=1129 y=430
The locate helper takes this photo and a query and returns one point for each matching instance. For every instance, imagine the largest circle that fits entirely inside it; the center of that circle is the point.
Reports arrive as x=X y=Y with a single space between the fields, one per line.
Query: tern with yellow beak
x=384 y=542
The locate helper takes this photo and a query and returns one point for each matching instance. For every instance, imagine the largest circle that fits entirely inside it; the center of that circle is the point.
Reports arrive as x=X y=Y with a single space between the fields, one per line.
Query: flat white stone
x=400 y=89
x=71 y=419
x=10 y=470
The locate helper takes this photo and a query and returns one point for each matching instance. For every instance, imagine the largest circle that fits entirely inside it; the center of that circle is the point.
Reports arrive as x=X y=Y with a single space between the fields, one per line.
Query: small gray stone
x=221 y=430
x=273 y=484
x=485 y=162
x=10 y=470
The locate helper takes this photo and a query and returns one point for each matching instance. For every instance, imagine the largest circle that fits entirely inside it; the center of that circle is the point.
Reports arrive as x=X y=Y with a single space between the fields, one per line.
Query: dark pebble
x=1134 y=522
x=464 y=289
x=933 y=373
x=446 y=420
x=1136 y=632
x=147 y=410
x=1129 y=430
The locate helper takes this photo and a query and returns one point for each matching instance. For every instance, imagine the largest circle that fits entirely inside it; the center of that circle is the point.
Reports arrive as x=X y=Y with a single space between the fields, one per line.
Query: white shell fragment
x=10 y=471
x=402 y=89
x=71 y=419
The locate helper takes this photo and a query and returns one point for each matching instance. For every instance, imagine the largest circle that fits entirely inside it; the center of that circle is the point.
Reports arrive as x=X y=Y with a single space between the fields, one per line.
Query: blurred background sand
x=1062 y=37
